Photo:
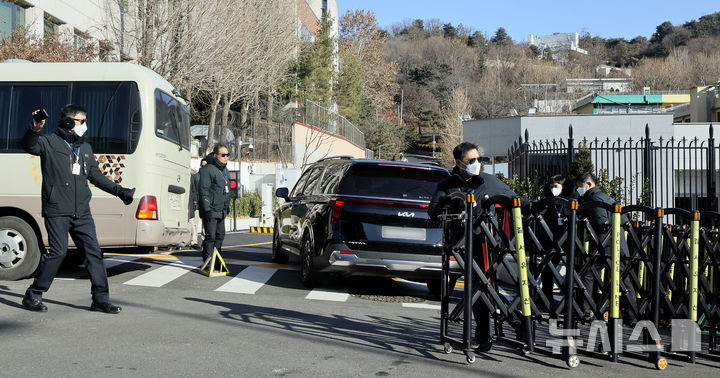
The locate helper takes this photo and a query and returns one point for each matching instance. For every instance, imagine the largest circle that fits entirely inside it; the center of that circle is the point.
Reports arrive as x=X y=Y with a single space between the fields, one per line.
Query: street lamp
x=378 y=149
x=442 y=133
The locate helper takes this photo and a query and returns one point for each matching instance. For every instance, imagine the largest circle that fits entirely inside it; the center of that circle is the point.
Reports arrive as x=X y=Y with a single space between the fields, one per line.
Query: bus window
x=111 y=107
x=24 y=100
x=4 y=113
x=169 y=120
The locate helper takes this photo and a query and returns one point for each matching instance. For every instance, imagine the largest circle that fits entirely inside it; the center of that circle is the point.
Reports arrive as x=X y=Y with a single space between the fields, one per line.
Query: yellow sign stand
x=209 y=268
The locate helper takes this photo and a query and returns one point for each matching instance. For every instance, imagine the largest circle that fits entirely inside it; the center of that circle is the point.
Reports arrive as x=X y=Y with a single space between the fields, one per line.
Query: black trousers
x=214 y=235
x=82 y=231
x=480 y=311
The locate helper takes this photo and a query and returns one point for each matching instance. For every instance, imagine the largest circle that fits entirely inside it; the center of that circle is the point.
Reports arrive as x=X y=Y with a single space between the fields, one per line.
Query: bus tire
x=19 y=249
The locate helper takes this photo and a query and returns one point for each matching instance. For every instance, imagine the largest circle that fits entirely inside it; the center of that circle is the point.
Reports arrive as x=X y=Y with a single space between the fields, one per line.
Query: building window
x=51 y=25
x=324 y=7
x=12 y=16
x=81 y=39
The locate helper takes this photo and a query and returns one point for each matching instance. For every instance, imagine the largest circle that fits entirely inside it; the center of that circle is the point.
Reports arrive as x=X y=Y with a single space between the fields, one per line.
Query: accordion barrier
x=651 y=273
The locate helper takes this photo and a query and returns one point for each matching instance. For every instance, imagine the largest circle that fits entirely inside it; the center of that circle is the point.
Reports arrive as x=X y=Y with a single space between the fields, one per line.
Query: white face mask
x=555 y=191
x=473 y=169
x=80 y=129
x=581 y=191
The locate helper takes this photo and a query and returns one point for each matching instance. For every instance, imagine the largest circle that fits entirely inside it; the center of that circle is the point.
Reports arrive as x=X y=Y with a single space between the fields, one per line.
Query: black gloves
x=125 y=194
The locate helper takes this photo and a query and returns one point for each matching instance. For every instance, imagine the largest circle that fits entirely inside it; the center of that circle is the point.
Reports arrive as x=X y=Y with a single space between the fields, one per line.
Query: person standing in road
x=67 y=164
x=467 y=175
x=193 y=206
x=214 y=199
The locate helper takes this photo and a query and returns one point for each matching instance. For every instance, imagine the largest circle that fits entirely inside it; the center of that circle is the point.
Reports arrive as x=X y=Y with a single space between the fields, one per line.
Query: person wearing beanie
x=67 y=164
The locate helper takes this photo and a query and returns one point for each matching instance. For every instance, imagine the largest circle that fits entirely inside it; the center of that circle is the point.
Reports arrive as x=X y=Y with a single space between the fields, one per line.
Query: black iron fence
x=661 y=172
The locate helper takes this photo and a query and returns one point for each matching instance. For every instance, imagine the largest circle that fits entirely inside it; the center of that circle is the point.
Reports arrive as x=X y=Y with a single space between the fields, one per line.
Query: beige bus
x=139 y=129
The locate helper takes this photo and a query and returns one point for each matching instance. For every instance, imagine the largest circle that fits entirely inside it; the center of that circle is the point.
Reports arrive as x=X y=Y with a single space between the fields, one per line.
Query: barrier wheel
x=447 y=348
x=660 y=364
x=471 y=358
x=573 y=361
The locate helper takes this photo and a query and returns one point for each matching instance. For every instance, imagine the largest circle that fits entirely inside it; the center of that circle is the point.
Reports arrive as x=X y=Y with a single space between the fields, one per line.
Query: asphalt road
x=256 y=321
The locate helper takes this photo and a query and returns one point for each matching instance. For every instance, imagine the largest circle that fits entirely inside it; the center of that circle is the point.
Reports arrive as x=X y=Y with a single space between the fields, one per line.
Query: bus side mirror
x=283 y=193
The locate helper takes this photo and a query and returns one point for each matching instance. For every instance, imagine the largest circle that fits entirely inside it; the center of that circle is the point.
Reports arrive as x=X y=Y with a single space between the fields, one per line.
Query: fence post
x=711 y=188
x=647 y=167
x=571 y=148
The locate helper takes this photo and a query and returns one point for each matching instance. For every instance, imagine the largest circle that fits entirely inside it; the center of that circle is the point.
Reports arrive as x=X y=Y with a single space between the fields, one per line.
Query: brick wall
x=307 y=17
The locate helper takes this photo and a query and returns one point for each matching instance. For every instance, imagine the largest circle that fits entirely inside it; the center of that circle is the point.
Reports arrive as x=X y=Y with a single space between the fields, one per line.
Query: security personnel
x=600 y=220
x=68 y=163
x=214 y=199
x=466 y=175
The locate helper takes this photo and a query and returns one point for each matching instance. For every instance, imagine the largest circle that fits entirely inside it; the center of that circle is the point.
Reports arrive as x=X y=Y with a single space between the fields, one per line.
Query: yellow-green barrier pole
x=614 y=316
x=522 y=271
x=694 y=262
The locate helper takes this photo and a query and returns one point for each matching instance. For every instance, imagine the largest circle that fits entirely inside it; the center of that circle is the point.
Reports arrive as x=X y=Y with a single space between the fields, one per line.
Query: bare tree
x=457 y=109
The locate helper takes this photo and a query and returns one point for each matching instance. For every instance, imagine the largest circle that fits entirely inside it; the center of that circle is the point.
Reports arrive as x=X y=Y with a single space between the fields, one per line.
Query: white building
x=79 y=20
x=557 y=43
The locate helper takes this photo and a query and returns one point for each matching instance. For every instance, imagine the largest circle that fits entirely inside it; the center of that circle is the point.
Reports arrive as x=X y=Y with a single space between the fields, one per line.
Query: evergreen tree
x=501 y=38
x=315 y=71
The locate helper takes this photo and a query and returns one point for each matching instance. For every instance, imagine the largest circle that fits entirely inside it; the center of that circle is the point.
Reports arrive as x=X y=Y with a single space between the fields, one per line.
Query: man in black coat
x=214 y=199
x=67 y=164
x=466 y=175
x=601 y=221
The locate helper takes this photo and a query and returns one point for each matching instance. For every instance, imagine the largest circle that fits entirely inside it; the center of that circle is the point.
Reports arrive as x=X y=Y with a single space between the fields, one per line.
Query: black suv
x=361 y=217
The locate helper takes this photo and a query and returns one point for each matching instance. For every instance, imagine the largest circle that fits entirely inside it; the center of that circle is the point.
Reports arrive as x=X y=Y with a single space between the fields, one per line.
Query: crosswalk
x=249 y=281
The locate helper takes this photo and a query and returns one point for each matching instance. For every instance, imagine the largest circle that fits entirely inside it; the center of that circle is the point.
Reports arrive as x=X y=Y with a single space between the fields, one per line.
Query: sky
x=608 y=19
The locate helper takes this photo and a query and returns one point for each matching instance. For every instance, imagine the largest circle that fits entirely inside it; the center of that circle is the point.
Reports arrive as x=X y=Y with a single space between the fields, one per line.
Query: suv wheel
x=308 y=275
x=278 y=255
x=435 y=288
x=19 y=249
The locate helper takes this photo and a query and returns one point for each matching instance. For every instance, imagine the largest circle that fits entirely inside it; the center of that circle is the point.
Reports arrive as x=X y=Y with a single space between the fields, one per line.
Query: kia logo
x=406 y=214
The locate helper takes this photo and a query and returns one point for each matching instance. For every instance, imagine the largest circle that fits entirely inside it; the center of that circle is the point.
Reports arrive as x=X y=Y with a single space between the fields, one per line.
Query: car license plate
x=174 y=201
x=406 y=233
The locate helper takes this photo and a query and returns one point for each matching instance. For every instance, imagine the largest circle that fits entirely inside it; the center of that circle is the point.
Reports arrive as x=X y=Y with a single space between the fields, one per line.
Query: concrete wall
x=311 y=144
x=495 y=136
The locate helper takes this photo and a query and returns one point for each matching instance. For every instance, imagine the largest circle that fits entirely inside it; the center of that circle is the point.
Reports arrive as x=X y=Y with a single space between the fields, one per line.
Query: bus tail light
x=147 y=208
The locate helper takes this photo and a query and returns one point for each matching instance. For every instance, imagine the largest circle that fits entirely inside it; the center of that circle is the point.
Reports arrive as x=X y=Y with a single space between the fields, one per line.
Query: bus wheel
x=19 y=250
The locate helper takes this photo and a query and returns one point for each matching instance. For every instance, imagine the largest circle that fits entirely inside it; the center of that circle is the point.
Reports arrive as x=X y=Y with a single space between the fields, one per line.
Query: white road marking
x=421 y=305
x=328 y=295
x=113 y=261
x=161 y=276
x=248 y=281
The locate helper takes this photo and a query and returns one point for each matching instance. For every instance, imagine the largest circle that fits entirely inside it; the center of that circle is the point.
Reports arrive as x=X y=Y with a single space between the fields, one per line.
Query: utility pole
x=402 y=98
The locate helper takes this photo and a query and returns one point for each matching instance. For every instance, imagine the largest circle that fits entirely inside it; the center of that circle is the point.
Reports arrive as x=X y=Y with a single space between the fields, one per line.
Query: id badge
x=560 y=222
x=76 y=169
x=226 y=189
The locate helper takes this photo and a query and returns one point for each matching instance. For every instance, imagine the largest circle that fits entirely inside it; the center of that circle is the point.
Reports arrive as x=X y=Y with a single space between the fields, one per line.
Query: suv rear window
x=391 y=181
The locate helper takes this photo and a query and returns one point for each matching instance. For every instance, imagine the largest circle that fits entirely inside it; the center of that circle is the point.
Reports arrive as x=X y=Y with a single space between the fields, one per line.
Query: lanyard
x=77 y=154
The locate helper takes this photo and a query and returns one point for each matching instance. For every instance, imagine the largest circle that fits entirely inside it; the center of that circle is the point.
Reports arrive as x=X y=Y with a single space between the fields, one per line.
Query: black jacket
x=214 y=190
x=64 y=193
x=600 y=219
x=484 y=185
x=194 y=193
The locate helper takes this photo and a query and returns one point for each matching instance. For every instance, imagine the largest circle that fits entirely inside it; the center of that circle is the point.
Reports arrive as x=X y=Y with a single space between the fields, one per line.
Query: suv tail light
x=147 y=208
x=337 y=211
x=338 y=205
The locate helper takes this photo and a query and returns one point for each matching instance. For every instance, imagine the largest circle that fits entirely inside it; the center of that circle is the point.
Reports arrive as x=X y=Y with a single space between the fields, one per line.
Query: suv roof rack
x=343 y=157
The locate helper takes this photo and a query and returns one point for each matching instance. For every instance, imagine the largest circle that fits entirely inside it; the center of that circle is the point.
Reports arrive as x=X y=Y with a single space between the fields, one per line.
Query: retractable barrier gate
x=649 y=271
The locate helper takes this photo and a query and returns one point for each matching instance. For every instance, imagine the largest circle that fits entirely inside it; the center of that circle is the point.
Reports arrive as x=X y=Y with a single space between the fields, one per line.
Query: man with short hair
x=214 y=199
x=467 y=175
x=67 y=164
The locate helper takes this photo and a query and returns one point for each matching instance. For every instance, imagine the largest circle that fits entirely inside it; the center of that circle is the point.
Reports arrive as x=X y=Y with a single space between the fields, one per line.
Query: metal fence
x=332 y=122
x=662 y=172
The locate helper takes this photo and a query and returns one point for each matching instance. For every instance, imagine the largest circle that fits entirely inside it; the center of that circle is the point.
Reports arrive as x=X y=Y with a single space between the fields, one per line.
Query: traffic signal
x=235 y=189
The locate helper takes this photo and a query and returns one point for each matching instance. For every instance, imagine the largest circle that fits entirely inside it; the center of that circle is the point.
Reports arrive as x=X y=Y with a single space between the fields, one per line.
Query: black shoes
x=34 y=304
x=106 y=307
x=483 y=346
